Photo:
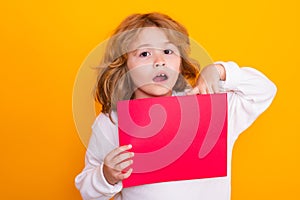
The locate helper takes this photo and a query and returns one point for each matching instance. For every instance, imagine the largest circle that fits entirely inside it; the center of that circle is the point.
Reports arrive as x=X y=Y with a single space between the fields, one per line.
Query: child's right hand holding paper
x=116 y=162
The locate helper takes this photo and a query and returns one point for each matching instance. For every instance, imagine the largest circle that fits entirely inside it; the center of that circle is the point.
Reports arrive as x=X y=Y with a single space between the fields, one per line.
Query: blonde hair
x=114 y=83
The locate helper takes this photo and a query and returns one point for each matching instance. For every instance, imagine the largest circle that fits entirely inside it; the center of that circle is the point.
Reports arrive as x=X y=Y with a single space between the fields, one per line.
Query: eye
x=168 y=51
x=144 y=54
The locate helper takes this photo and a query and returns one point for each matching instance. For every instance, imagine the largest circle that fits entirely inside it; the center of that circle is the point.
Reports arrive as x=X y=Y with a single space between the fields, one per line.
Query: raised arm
x=249 y=94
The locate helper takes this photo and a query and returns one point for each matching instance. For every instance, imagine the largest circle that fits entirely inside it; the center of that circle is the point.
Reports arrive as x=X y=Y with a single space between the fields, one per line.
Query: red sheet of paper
x=175 y=138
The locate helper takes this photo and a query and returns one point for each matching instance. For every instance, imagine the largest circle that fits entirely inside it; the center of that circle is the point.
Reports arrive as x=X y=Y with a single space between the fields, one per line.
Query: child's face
x=153 y=63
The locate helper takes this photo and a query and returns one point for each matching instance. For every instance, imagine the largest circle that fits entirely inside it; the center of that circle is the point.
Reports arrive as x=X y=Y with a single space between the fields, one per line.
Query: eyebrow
x=150 y=45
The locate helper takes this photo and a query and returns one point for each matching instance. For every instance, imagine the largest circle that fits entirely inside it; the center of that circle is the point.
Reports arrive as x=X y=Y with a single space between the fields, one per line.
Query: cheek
x=130 y=63
x=133 y=62
x=175 y=64
x=136 y=63
x=141 y=75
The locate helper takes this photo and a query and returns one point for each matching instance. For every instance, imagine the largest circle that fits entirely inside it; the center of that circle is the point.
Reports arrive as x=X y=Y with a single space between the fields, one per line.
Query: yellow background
x=43 y=44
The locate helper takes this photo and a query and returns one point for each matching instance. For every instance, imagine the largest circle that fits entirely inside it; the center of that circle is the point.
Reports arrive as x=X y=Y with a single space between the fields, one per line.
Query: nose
x=159 y=61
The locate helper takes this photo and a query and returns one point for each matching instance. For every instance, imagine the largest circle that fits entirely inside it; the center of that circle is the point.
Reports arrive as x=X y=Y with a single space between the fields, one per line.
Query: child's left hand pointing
x=208 y=81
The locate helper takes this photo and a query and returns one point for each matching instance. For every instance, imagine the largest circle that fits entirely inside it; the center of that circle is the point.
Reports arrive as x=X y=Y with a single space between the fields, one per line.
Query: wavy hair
x=114 y=83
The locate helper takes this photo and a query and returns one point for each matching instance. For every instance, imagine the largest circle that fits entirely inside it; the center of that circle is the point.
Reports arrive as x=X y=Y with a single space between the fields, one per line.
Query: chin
x=161 y=91
x=153 y=91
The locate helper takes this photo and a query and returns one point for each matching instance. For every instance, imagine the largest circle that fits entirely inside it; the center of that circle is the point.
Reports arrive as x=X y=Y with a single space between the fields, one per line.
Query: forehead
x=150 y=36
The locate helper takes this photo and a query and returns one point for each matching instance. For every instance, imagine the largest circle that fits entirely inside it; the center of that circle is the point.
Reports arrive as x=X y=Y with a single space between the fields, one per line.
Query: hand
x=115 y=162
x=208 y=81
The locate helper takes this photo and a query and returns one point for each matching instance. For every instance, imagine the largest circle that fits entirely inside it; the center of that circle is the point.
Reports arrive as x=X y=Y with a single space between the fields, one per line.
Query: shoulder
x=103 y=121
x=104 y=133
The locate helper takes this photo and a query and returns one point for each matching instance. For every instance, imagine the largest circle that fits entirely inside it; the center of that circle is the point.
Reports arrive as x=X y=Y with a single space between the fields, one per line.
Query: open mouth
x=160 y=77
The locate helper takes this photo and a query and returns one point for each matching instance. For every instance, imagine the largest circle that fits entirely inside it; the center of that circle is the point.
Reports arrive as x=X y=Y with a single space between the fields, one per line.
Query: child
x=148 y=57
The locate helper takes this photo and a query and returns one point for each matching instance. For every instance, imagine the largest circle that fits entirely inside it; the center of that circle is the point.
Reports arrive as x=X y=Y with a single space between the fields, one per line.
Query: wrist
x=110 y=180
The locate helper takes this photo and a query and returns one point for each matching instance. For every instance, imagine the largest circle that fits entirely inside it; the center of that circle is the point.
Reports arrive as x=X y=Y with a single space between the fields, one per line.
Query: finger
x=123 y=156
x=125 y=175
x=203 y=87
x=215 y=88
x=121 y=149
x=111 y=155
x=195 y=90
x=202 y=90
x=109 y=165
x=123 y=165
x=209 y=90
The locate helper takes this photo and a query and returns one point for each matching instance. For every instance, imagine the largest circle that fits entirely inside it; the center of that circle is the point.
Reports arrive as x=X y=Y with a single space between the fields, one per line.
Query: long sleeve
x=249 y=94
x=91 y=181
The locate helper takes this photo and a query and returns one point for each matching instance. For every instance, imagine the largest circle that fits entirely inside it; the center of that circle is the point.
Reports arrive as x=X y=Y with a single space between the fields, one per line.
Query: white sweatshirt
x=249 y=93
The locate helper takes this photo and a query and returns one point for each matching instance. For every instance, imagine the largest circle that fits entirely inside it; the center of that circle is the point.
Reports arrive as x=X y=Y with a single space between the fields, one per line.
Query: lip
x=160 y=76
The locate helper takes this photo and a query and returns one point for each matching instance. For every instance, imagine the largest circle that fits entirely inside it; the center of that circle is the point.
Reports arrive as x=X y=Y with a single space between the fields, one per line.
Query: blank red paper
x=175 y=138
